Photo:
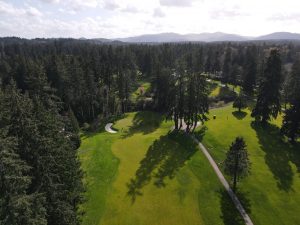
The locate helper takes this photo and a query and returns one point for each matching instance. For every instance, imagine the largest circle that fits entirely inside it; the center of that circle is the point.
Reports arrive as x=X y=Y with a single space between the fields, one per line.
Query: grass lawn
x=145 y=176
x=272 y=191
x=137 y=93
x=215 y=92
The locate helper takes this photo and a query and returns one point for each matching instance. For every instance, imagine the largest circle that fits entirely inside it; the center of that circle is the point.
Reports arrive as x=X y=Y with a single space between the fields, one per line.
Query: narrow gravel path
x=109 y=129
x=234 y=198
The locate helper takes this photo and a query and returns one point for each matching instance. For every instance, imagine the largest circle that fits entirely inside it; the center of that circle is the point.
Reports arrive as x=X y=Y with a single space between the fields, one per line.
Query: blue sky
x=123 y=18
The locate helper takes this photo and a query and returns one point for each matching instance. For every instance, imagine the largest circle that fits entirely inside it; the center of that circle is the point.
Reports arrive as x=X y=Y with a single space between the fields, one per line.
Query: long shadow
x=163 y=159
x=278 y=154
x=144 y=122
x=239 y=115
x=199 y=134
x=230 y=215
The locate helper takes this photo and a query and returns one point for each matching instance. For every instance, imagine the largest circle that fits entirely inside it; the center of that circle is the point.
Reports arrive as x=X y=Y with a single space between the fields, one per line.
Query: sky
x=125 y=18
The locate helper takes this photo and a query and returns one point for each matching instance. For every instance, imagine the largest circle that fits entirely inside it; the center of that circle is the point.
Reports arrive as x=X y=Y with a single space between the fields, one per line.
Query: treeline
x=95 y=81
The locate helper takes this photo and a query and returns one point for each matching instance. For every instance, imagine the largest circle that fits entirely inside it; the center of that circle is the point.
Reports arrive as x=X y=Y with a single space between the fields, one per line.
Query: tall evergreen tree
x=291 y=120
x=237 y=164
x=268 y=99
x=18 y=205
x=43 y=144
x=226 y=70
x=240 y=102
x=249 y=72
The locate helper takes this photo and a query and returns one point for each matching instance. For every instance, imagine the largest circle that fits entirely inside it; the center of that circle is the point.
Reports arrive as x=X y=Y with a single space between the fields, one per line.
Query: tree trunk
x=93 y=111
x=235 y=172
x=234 y=182
x=180 y=125
x=187 y=130
x=176 y=121
x=195 y=124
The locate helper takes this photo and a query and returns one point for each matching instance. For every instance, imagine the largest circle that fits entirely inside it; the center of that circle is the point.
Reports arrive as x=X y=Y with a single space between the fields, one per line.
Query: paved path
x=108 y=128
x=234 y=198
x=184 y=125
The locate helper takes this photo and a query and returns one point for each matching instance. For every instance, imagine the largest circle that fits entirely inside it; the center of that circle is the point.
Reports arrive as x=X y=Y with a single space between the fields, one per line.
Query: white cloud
x=112 y=18
x=10 y=10
x=285 y=17
x=158 y=13
x=111 y=5
x=31 y=11
x=177 y=3
x=6 y=8
x=79 y=4
x=74 y=4
x=50 y=1
x=131 y=9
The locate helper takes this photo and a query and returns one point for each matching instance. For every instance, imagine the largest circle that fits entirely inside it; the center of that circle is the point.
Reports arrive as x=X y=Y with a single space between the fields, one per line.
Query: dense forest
x=50 y=87
x=93 y=79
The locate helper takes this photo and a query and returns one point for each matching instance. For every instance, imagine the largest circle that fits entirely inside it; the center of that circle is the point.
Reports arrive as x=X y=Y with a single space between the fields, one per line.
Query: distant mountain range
x=171 y=37
x=205 y=37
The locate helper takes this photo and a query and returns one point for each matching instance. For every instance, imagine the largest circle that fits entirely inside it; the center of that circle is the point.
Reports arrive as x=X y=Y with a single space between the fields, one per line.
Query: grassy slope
x=136 y=94
x=272 y=191
x=215 y=92
x=144 y=153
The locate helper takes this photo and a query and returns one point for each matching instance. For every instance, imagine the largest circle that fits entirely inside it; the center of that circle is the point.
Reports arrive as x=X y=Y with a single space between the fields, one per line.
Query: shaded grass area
x=163 y=159
x=143 y=122
x=273 y=187
x=239 y=114
x=150 y=178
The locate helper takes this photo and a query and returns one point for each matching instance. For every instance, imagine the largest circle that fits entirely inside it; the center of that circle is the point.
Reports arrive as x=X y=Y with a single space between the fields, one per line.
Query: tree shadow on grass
x=162 y=161
x=279 y=154
x=230 y=215
x=144 y=122
x=199 y=134
x=239 y=115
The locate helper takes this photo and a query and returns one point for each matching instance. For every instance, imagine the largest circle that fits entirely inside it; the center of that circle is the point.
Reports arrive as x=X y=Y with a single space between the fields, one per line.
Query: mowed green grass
x=143 y=176
x=272 y=191
x=215 y=92
x=137 y=93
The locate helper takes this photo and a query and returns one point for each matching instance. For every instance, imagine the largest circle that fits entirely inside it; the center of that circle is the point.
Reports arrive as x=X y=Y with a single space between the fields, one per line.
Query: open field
x=144 y=176
x=272 y=191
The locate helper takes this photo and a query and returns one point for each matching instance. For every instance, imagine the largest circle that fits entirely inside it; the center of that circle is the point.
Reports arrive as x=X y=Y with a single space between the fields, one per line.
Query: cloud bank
x=123 y=18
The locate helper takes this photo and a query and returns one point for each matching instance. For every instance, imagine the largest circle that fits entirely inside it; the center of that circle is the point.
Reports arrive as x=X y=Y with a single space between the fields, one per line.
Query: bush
x=86 y=127
x=226 y=95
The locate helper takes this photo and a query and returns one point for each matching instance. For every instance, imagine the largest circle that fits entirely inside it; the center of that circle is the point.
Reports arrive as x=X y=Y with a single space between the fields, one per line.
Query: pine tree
x=44 y=145
x=291 y=120
x=240 y=102
x=237 y=164
x=268 y=99
x=250 y=70
x=226 y=70
x=17 y=205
